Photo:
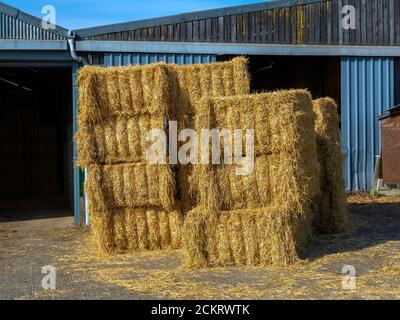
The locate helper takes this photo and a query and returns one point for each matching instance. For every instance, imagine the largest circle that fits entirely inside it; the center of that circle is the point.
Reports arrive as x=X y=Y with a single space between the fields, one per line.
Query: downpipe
x=72 y=49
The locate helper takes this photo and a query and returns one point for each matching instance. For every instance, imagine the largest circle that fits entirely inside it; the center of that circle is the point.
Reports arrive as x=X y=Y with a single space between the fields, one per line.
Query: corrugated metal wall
x=123 y=59
x=367 y=91
x=11 y=28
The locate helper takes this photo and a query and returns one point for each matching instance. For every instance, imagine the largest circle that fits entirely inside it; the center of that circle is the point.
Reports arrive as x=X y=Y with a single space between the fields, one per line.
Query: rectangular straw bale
x=135 y=229
x=116 y=140
x=278 y=119
x=287 y=169
x=106 y=93
x=130 y=185
x=210 y=79
x=331 y=202
x=265 y=236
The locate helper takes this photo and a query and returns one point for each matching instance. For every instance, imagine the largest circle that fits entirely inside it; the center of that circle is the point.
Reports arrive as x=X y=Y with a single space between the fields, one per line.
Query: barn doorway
x=35 y=142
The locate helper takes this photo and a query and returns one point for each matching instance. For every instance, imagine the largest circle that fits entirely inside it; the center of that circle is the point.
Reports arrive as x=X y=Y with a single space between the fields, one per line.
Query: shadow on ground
x=370 y=224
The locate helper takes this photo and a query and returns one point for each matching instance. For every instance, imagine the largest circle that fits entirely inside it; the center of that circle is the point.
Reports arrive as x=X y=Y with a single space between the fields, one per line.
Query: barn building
x=345 y=49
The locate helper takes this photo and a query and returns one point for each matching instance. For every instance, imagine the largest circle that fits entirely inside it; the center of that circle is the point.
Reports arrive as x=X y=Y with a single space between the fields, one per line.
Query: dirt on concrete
x=370 y=249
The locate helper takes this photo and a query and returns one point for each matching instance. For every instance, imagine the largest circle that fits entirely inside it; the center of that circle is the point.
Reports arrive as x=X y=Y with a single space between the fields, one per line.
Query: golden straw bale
x=121 y=230
x=331 y=203
x=116 y=140
x=130 y=185
x=265 y=236
x=129 y=91
x=211 y=79
x=278 y=119
x=286 y=168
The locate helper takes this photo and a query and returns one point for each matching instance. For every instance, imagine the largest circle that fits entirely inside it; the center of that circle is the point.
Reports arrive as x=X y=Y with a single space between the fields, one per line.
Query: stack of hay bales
x=131 y=202
x=331 y=211
x=265 y=217
x=117 y=107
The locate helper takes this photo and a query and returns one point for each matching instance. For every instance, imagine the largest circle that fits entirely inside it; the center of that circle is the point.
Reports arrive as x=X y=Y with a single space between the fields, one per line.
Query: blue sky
x=75 y=14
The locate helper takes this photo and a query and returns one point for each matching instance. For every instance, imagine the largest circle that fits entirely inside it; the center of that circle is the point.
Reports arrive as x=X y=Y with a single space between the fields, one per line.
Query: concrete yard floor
x=371 y=246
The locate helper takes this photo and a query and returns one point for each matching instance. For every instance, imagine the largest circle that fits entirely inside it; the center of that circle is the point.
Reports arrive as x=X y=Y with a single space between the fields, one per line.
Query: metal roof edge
x=33 y=45
x=233 y=48
x=197 y=15
x=25 y=17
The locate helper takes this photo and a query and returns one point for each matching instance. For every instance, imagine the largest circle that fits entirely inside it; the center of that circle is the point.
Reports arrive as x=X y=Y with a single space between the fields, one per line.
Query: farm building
x=290 y=44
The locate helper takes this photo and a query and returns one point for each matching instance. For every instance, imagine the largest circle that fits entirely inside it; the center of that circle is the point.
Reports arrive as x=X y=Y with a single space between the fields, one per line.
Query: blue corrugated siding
x=367 y=91
x=11 y=28
x=123 y=59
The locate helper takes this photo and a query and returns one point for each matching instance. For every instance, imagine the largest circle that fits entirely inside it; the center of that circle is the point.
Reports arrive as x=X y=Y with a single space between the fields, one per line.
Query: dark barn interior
x=320 y=75
x=35 y=138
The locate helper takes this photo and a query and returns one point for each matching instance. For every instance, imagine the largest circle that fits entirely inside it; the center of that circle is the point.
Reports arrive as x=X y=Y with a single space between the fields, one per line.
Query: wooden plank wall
x=377 y=23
